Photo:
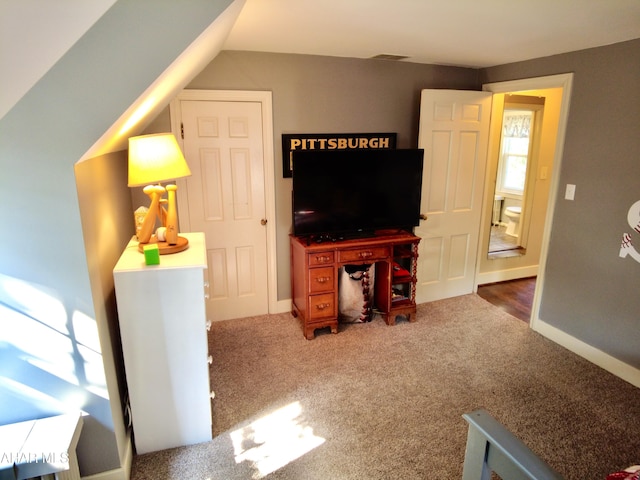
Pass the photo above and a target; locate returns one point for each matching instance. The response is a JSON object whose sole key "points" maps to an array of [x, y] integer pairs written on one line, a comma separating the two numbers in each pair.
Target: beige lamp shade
{"points": [[155, 158]]}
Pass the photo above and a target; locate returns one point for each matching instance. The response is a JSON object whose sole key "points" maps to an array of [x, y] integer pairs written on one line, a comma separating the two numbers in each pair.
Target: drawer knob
{"points": [[322, 279], [210, 359], [209, 325], [365, 254], [322, 306], [212, 394]]}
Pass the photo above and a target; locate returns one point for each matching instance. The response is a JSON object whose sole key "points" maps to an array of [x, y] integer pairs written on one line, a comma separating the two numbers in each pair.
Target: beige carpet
{"points": [[385, 402]]}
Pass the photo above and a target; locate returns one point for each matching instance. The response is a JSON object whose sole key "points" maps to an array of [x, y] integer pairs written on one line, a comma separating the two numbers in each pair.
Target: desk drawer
{"points": [[367, 255], [321, 306], [321, 279], [321, 258]]}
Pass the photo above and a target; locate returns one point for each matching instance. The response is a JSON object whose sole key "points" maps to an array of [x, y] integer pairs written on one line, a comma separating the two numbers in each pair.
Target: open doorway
{"points": [[520, 162], [513, 296], [516, 175], [531, 263]]}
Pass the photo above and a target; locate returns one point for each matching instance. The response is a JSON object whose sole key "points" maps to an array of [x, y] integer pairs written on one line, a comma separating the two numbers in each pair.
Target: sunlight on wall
{"points": [[49, 358], [33, 302], [138, 114], [274, 440], [39, 399], [38, 344]]}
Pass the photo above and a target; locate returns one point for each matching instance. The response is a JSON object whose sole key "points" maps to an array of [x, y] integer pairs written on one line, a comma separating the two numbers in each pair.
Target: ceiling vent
{"points": [[387, 56]]}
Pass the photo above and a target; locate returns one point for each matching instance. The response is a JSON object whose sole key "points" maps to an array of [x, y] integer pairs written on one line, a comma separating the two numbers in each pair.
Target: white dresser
{"points": [[164, 340]]}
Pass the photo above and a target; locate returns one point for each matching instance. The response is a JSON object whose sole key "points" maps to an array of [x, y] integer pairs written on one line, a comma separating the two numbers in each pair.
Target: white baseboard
{"points": [[122, 473], [283, 306], [508, 274], [604, 360]]}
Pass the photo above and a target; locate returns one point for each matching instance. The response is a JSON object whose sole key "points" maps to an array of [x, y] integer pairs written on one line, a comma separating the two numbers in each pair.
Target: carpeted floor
{"points": [[386, 402]]}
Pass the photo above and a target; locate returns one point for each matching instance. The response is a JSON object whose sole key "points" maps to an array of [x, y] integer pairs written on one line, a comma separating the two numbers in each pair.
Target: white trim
{"points": [[565, 82], [122, 473], [265, 98], [611, 364], [283, 306], [507, 274], [115, 474]]}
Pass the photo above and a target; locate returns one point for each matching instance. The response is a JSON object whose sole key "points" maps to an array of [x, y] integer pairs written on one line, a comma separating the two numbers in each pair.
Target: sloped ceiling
{"points": [[34, 34], [158, 95]]}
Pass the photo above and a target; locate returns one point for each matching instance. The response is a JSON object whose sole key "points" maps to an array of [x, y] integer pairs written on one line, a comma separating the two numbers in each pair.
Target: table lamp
{"points": [[154, 159]]}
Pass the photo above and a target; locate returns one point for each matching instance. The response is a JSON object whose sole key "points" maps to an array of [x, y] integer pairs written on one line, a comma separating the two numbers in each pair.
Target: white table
{"points": [[40, 447]]}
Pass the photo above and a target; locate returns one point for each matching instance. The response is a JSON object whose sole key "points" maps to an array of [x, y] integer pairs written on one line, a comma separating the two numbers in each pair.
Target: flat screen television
{"points": [[355, 193]]}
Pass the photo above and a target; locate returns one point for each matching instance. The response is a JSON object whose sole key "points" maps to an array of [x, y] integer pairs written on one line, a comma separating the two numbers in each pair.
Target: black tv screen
{"points": [[348, 193]]}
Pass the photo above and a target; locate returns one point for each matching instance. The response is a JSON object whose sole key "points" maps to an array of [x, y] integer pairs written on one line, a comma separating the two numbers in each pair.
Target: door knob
{"points": [[423, 216], [263, 222]]}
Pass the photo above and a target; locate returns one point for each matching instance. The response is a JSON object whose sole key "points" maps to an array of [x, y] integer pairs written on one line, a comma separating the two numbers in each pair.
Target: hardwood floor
{"points": [[513, 296]]}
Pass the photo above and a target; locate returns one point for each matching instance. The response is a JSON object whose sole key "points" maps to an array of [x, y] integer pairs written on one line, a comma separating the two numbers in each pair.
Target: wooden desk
{"points": [[314, 277]]}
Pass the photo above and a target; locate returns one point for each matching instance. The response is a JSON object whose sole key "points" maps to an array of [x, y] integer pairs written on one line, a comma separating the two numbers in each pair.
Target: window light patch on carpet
{"points": [[275, 440]]}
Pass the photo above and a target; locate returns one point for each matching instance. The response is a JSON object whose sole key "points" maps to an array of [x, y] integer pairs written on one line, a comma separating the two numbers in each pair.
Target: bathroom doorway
{"points": [[543, 183], [515, 173]]}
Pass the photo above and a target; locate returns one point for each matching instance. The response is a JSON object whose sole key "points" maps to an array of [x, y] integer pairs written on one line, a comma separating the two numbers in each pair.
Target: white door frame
{"points": [[265, 99], [565, 82]]}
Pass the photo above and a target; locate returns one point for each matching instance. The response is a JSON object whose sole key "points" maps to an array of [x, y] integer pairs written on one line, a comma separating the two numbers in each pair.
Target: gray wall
{"points": [[107, 225], [313, 94], [589, 291], [43, 249]]}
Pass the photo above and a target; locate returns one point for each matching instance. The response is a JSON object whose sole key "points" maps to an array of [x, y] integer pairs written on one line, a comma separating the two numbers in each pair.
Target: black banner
{"points": [[331, 141]]}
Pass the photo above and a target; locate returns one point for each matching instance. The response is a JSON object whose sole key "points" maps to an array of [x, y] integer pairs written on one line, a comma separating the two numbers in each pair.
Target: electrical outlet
{"points": [[570, 192]]}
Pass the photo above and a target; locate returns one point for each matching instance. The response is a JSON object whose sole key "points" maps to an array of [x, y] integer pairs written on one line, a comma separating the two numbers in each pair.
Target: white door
{"points": [[223, 144], [454, 130]]}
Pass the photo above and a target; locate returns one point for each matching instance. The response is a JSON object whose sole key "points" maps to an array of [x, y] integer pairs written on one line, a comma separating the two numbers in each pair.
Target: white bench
{"points": [[43, 448]]}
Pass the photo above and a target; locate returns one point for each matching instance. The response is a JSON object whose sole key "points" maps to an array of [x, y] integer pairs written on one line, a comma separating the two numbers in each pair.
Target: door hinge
{"points": [[182, 130]]}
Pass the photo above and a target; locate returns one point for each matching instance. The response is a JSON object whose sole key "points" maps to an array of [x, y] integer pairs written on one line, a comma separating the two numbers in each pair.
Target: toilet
{"points": [[513, 215]]}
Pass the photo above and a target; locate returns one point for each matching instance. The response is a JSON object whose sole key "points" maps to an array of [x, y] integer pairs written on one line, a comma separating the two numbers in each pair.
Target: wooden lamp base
{"points": [[164, 248]]}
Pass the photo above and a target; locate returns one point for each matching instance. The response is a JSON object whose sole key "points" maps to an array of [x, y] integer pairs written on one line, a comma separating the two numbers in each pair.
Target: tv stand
{"points": [[314, 276], [321, 239], [338, 237]]}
